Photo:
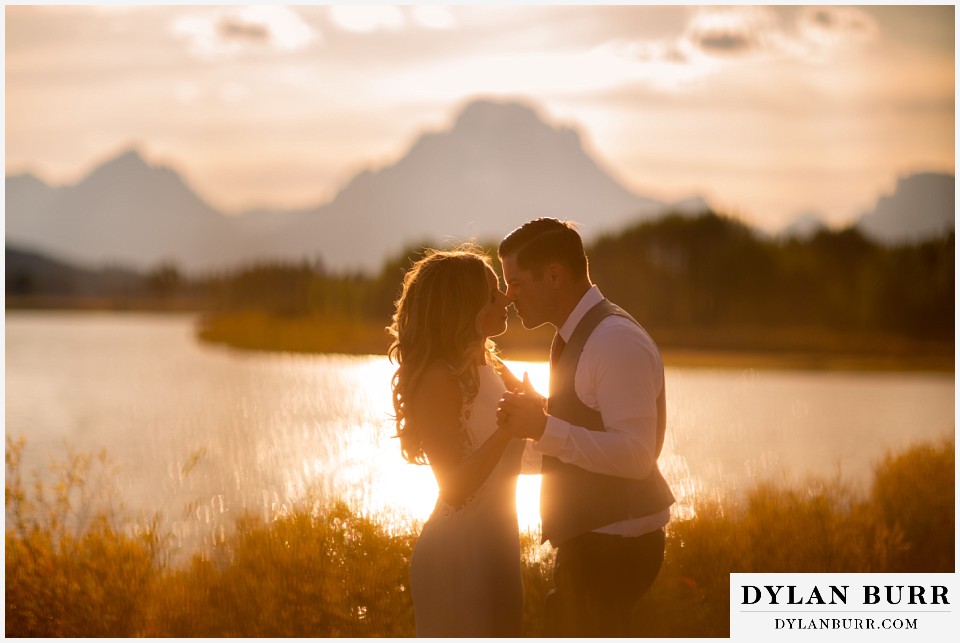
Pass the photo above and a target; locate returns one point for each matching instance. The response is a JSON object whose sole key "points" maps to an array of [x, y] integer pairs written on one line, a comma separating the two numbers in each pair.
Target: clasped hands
{"points": [[522, 412]]}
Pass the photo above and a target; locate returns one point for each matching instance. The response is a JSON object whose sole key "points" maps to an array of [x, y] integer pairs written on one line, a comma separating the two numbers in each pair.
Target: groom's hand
{"points": [[522, 415]]}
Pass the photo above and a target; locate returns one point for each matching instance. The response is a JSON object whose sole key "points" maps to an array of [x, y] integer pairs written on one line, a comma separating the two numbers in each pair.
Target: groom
{"points": [[603, 501]]}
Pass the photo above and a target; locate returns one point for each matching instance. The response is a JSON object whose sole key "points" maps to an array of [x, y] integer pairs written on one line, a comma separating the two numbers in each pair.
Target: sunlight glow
{"points": [[528, 502], [370, 475]]}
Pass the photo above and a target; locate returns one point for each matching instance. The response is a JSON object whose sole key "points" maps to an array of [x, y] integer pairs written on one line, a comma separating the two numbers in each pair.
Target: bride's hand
{"points": [[524, 388], [521, 415], [527, 390], [510, 380]]}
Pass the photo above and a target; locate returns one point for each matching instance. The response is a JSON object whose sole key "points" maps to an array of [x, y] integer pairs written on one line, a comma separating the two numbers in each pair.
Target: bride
{"points": [[465, 570]]}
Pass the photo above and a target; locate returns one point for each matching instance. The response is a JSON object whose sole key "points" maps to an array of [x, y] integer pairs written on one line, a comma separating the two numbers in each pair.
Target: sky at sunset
{"points": [[767, 112]]}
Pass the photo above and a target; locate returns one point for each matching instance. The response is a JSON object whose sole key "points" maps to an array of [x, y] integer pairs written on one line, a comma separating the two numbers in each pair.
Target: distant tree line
{"points": [[707, 280], [684, 275], [683, 278]]}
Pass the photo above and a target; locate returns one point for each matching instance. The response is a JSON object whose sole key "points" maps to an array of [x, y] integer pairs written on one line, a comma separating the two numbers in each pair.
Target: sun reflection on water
{"points": [[366, 470]]}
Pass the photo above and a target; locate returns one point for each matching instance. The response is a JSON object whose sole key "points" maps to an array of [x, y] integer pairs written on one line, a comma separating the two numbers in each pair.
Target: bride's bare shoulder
{"points": [[438, 379]]}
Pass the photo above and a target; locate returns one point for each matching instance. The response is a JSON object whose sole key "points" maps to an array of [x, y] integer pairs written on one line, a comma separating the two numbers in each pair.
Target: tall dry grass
{"points": [[71, 570], [904, 523]]}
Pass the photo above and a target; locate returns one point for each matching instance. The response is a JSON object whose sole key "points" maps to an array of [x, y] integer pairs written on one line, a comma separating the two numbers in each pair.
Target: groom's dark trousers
{"points": [[598, 578]]}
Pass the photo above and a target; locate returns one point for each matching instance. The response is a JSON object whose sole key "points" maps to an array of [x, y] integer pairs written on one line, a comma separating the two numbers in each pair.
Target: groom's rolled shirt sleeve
{"points": [[554, 439]]}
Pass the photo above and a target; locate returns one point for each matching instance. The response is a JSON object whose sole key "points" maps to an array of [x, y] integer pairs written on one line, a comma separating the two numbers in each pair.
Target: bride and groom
{"points": [[603, 502]]}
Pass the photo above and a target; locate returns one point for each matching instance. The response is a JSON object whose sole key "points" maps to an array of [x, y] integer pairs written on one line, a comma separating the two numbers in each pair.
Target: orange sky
{"points": [[768, 112]]}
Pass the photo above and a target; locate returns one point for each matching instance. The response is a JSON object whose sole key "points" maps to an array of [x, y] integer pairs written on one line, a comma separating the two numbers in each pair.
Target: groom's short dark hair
{"points": [[541, 241]]}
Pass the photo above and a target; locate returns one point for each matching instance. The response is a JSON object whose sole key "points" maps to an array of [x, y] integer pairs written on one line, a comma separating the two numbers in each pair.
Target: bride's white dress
{"points": [[465, 571]]}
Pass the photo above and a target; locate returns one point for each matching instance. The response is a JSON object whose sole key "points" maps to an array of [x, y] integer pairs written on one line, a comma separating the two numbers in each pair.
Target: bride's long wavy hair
{"points": [[437, 320]]}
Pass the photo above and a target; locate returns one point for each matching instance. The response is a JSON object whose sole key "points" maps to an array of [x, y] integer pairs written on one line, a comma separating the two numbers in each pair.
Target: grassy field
{"points": [[73, 569]]}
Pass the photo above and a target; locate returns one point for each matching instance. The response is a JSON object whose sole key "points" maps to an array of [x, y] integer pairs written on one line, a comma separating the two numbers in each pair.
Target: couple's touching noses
{"points": [[597, 433]]}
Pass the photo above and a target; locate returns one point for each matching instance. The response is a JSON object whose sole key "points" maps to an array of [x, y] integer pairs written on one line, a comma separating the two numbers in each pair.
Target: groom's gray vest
{"points": [[574, 500]]}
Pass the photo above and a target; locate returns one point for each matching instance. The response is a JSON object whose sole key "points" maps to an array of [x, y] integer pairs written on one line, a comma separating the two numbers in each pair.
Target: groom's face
{"points": [[528, 291]]}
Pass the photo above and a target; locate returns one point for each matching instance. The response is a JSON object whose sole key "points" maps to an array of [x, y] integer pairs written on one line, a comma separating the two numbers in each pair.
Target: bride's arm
{"points": [[437, 401]]}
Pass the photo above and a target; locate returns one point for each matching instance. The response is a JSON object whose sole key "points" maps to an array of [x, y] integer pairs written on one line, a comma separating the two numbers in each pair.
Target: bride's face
{"points": [[492, 320]]}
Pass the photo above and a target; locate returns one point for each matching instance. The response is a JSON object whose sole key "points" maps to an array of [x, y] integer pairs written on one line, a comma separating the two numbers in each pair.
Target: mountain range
{"points": [[921, 206], [498, 165]]}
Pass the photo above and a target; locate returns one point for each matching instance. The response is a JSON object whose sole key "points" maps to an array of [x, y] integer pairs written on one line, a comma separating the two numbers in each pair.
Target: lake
{"points": [[204, 433]]}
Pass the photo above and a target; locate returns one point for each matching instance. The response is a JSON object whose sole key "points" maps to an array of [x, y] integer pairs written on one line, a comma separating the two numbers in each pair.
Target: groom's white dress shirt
{"points": [[620, 374]]}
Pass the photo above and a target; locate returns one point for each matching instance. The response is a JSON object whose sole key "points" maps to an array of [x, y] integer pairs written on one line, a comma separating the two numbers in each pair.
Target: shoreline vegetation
{"points": [[774, 348], [786, 349], [712, 291], [76, 568]]}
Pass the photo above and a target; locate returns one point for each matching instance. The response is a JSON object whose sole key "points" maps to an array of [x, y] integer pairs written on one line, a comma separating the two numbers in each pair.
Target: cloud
{"points": [[725, 35], [747, 41], [227, 32], [232, 29], [731, 31], [831, 27], [373, 18], [811, 33], [433, 16], [711, 38], [368, 18], [726, 43]]}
